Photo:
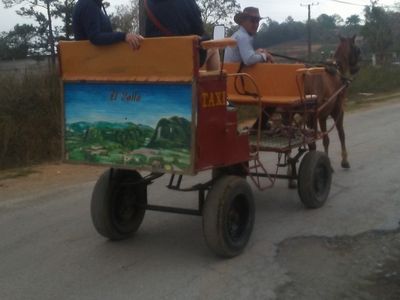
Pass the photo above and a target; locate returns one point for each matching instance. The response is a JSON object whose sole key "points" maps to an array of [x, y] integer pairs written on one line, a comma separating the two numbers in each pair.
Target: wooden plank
{"points": [[174, 61]]}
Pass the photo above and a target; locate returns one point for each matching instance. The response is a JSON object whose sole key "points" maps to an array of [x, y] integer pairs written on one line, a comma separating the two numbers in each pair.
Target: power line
{"points": [[349, 3], [364, 5]]}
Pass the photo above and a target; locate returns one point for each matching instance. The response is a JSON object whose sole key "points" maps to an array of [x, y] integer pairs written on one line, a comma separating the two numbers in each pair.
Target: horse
{"points": [[330, 87]]}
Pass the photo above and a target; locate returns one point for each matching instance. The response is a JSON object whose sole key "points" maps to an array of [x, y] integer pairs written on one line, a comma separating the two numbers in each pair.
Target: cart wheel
{"points": [[118, 205], [228, 216], [237, 169], [315, 177]]}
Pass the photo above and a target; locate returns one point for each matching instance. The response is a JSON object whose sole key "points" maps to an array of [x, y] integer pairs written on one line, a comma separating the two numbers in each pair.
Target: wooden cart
{"points": [[154, 111]]}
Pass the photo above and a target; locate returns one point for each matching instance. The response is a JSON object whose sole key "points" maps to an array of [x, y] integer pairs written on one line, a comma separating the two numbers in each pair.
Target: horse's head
{"points": [[347, 55]]}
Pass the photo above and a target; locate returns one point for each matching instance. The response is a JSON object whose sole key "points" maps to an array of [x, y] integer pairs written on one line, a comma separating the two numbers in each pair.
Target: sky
{"points": [[277, 10]]}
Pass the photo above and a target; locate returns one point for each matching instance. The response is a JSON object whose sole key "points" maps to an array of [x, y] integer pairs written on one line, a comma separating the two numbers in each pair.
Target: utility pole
{"points": [[309, 27]]}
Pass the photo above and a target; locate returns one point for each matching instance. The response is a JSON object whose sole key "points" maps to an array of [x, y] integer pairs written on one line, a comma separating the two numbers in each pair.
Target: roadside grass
{"points": [[15, 173], [377, 80], [30, 119]]}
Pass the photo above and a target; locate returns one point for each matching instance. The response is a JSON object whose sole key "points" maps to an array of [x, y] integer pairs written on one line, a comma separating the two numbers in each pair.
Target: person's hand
{"points": [[133, 40], [267, 56], [270, 58], [260, 51]]}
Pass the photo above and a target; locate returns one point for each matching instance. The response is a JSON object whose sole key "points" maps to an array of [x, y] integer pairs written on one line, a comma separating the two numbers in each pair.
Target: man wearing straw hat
{"points": [[248, 22]]}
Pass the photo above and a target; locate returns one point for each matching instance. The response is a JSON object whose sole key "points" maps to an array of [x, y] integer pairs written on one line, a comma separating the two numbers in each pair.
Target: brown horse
{"points": [[331, 90]]}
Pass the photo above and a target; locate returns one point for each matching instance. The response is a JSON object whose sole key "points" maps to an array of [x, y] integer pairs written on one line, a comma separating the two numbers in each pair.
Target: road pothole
{"points": [[365, 266]]}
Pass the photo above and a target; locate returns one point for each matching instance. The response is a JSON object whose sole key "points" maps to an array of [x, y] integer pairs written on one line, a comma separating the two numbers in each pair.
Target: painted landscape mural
{"points": [[144, 126]]}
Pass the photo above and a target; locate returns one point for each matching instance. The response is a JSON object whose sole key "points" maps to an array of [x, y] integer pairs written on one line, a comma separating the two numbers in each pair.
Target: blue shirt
{"points": [[179, 17], [89, 22], [244, 50]]}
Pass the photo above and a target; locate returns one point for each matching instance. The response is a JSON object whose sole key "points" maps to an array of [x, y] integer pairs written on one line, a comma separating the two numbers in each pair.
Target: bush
{"points": [[376, 80], [30, 119]]}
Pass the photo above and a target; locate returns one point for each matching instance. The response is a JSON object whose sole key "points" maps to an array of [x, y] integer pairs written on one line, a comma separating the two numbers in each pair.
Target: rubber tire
{"points": [[237, 169], [315, 178], [108, 193], [228, 190]]}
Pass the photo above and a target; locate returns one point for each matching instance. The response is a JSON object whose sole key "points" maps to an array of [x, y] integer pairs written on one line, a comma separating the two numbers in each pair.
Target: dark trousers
{"points": [[265, 116]]}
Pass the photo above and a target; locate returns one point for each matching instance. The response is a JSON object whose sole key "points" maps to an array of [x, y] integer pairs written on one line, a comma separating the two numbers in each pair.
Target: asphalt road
{"points": [[50, 250]]}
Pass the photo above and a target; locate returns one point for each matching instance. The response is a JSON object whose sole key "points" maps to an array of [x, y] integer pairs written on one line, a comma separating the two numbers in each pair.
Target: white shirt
{"points": [[244, 50]]}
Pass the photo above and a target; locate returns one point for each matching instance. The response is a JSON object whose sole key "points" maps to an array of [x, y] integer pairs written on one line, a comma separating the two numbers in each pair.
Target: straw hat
{"points": [[247, 12]]}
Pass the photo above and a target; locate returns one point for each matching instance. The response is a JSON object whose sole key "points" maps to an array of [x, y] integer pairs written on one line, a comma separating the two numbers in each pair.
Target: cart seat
{"points": [[272, 84], [274, 101]]}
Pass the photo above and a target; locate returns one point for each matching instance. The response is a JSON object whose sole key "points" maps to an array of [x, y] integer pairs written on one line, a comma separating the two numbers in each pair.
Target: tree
{"points": [[394, 21], [217, 11], [338, 20], [325, 27], [63, 10], [41, 11], [289, 20], [352, 25], [126, 17], [327, 22], [272, 32], [377, 31], [17, 42], [353, 20]]}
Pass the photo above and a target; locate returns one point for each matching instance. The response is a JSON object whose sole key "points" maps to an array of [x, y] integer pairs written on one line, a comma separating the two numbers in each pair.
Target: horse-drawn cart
{"points": [[154, 111]]}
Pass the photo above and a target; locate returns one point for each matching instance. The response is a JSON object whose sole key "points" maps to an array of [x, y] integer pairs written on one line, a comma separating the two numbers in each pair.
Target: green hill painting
{"points": [[143, 126]]}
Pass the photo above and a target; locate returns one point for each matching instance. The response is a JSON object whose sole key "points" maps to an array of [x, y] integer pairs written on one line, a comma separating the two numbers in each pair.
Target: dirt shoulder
{"points": [[23, 181], [369, 101]]}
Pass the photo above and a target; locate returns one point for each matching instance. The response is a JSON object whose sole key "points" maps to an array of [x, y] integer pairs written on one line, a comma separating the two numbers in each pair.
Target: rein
{"points": [[326, 65], [308, 63]]}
